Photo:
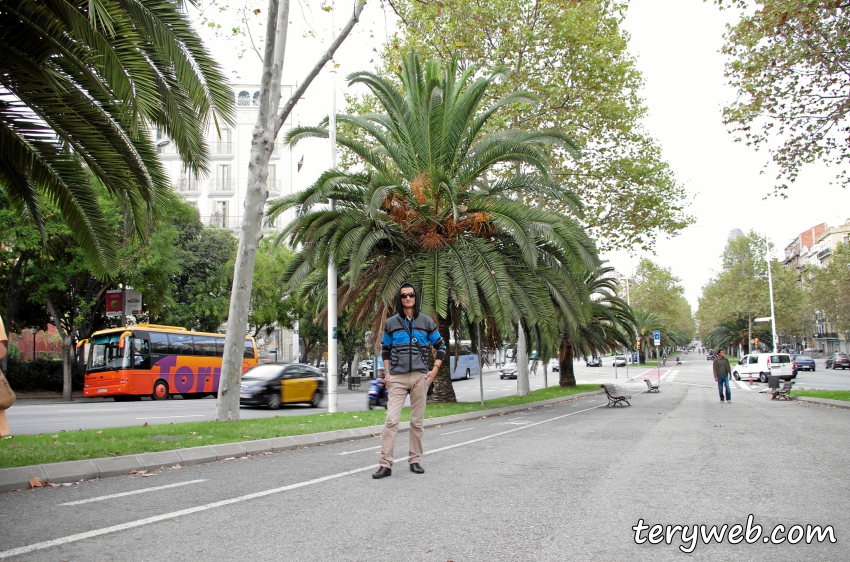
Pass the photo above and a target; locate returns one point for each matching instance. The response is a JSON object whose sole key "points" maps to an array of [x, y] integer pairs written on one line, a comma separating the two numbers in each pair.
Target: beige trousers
{"points": [[400, 386]]}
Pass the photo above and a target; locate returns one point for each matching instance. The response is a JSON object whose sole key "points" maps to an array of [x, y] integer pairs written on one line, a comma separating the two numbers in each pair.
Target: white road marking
{"points": [[745, 385], [359, 451], [134, 492], [168, 417], [206, 507], [458, 431], [94, 410]]}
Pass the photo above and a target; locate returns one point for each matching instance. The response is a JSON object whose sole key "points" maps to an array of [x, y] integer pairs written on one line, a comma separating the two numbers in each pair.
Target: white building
{"points": [[219, 197]]}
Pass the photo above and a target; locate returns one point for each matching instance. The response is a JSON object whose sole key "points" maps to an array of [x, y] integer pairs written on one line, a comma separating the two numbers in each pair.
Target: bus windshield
{"points": [[105, 353]]}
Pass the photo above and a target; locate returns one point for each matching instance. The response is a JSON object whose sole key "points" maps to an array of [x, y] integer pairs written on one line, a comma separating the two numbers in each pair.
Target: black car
{"points": [[594, 362], [838, 361], [803, 363]]}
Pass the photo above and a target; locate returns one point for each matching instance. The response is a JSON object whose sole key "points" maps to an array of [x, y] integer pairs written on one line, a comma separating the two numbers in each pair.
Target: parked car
{"points": [[803, 363], [364, 368], [274, 384], [838, 361], [619, 361], [760, 365], [508, 371], [594, 362]]}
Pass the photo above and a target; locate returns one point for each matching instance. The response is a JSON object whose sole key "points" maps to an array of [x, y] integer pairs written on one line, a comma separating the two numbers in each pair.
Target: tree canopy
{"points": [[573, 57], [789, 61]]}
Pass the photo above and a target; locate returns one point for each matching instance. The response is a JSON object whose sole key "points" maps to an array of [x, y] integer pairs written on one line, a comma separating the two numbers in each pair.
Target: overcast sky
{"points": [[676, 44]]}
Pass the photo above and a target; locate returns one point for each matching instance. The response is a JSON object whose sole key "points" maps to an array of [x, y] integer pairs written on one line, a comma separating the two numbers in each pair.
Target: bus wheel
{"points": [[467, 375], [160, 390]]}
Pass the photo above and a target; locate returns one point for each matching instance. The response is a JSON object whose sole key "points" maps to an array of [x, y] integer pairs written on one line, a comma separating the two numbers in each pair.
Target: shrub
{"points": [[42, 374]]}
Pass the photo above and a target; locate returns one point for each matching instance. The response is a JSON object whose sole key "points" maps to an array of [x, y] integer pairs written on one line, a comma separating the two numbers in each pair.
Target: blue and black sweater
{"points": [[406, 341]]}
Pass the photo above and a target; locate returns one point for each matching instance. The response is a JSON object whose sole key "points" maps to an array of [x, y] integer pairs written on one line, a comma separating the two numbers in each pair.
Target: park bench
{"points": [[614, 398], [651, 386], [783, 393]]}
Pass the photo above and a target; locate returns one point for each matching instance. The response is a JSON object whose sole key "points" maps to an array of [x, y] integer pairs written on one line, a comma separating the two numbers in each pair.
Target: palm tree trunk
{"points": [[444, 391], [567, 376]]}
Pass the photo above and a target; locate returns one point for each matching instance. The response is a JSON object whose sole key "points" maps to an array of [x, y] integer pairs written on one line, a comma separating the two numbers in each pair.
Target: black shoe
{"points": [[415, 467], [382, 472]]}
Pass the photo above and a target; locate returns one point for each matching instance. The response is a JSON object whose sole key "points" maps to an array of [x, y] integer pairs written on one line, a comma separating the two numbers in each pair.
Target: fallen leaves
{"points": [[36, 482]]}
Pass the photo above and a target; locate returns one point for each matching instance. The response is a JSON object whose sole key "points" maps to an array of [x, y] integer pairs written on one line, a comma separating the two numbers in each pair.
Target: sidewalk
{"points": [[75, 471]]}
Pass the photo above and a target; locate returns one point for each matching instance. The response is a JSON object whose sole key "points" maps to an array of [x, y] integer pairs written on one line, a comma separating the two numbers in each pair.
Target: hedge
{"points": [[41, 374]]}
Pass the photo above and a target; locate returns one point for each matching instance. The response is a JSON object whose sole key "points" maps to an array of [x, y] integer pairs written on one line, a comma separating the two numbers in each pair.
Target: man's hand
{"points": [[387, 380], [432, 374]]}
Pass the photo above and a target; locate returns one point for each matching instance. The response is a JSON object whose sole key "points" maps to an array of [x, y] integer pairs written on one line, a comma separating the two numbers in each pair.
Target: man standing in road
{"points": [[404, 349], [722, 370]]}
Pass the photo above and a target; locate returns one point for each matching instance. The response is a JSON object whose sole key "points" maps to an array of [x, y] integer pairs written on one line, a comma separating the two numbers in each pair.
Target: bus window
{"points": [[180, 344], [105, 352], [249, 350], [141, 353], [159, 343], [205, 345]]}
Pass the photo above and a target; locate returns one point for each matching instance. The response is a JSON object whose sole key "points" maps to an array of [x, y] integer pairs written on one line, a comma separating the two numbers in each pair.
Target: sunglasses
{"points": [[408, 295]]}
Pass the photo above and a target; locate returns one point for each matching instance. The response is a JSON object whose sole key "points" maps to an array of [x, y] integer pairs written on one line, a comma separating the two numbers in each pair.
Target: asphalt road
{"points": [[570, 481], [32, 416]]}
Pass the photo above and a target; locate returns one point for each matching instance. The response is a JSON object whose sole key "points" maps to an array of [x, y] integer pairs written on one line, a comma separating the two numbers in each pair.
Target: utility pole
{"points": [[333, 375]]}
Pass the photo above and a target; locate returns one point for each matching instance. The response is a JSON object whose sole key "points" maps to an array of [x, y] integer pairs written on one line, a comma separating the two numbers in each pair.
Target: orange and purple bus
{"points": [[157, 361]]}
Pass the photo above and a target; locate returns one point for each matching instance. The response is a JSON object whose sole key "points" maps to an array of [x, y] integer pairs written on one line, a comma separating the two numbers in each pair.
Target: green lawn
{"points": [[830, 394], [23, 450]]}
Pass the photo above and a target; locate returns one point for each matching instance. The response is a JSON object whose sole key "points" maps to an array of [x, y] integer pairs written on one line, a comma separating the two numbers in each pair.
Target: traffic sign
{"points": [[656, 335]]}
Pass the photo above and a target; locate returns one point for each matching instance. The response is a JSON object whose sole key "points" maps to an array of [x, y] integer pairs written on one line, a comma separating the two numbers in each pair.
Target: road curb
{"points": [[823, 401], [75, 471]]}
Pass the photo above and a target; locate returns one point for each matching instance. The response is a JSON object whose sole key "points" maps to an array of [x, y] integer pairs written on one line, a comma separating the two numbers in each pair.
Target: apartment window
{"points": [[244, 99], [223, 180], [221, 217], [271, 183]]}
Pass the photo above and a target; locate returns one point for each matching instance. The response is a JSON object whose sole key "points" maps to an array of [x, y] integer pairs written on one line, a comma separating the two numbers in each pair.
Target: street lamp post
{"points": [[33, 331]]}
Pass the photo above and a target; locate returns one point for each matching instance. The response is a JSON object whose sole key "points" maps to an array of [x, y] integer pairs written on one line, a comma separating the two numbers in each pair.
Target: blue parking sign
{"points": [[656, 335]]}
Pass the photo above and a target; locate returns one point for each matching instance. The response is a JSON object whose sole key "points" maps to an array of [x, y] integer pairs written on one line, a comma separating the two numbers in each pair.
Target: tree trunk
{"points": [[269, 122], [444, 391], [567, 375], [67, 355], [355, 365], [546, 374], [522, 386]]}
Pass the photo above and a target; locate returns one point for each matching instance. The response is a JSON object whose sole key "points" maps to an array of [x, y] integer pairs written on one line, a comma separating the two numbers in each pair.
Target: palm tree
{"points": [[734, 333], [431, 208], [80, 83], [610, 325]]}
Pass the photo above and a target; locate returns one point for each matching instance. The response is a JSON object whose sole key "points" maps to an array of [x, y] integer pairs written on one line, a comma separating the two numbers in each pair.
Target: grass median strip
{"points": [[24, 450], [829, 394]]}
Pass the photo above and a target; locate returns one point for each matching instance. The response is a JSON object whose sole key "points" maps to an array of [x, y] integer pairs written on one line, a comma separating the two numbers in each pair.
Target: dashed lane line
{"points": [[133, 493]]}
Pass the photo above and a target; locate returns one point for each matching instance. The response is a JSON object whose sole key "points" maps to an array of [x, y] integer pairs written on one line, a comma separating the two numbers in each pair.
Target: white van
{"points": [[760, 365]]}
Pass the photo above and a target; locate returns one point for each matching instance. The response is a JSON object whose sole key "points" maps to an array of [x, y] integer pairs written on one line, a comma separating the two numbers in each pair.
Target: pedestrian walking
{"points": [[404, 350], [722, 370]]}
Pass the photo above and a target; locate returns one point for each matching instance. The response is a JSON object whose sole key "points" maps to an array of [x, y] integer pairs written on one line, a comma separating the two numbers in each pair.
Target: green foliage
{"points": [[201, 289], [84, 80], [657, 290], [41, 375], [740, 291], [268, 305], [788, 62], [830, 288], [573, 58]]}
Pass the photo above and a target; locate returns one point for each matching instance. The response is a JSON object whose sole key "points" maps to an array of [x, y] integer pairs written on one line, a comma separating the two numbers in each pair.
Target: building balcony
{"points": [[223, 148], [273, 187], [824, 253], [222, 185], [222, 221]]}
